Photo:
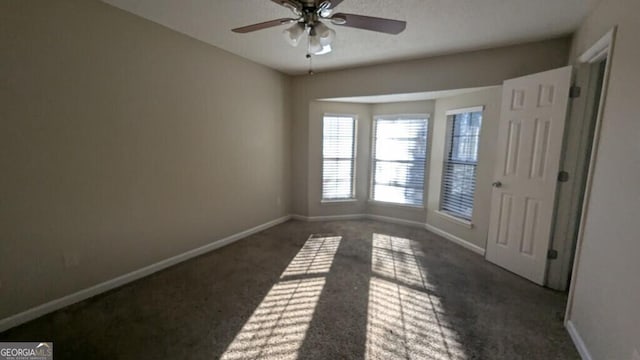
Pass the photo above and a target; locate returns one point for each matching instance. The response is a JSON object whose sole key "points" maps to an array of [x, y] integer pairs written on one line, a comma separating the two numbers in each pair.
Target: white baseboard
{"points": [[358, 217], [329, 217], [299, 217], [577, 341], [393, 220], [464, 243], [433, 229], [84, 294]]}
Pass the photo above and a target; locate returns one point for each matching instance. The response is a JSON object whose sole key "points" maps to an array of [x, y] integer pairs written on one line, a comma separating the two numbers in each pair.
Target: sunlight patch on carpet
{"points": [[405, 316], [278, 326], [315, 257]]}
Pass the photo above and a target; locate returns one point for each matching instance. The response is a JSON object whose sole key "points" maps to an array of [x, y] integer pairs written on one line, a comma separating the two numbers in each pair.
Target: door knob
{"points": [[497, 184]]}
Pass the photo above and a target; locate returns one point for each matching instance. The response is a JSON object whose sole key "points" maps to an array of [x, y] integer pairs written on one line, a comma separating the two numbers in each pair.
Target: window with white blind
{"points": [[460, 163], [338, 157], [399, 156]]}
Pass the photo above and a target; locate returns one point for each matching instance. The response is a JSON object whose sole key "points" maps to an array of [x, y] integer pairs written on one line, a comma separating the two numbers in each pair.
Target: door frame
{"points": [[599, 51]]}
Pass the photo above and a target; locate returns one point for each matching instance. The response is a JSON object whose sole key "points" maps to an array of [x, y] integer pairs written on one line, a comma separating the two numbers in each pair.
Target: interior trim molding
{"points": [[600, 49], [577, 341], [329, 217], [393, 220], [464, 243], [459, 241], [455, 220], [386, 219], [464, 110], [595, 53], [51, 306]]}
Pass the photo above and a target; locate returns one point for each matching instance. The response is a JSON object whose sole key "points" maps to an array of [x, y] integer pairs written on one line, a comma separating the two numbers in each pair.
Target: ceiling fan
{"points": [[310, 15]]}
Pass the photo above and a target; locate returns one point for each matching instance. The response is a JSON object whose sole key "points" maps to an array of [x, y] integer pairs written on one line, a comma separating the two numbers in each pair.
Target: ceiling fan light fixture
{"points": [[325, 50], [325, 33], [294, 33], [327, 40], [315, 46], [310, 19]]}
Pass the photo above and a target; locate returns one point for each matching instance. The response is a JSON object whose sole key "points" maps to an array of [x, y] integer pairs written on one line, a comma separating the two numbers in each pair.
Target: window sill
{"points": [[391, 204], [339, 201], [454, 219]]}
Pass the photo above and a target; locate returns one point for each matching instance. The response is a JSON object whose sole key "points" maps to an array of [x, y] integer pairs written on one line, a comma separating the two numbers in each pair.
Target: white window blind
{"points": [[461, 159], [399, 156], [338, 154]]}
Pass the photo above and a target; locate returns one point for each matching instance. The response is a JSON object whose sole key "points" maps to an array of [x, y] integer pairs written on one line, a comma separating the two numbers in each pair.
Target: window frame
{"points": [[450, 118], [354, 157], [424, 116]]}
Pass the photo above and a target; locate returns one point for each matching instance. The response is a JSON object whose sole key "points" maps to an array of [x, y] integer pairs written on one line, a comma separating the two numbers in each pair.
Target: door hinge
{"points": [[563, 176], [552, 254], [574, 92]]}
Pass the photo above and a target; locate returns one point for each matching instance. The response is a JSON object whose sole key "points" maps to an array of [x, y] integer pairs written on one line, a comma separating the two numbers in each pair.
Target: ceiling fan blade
{"points": [[369, 23], [263, 25], [290, 4]]}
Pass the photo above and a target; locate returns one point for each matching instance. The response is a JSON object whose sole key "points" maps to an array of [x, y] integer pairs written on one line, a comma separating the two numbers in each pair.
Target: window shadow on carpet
{"points": [[278, 326], [406, 318], [354, 290]]}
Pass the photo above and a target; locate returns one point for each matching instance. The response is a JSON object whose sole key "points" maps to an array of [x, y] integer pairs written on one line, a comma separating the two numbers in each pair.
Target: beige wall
{"points": [[490, 99], [125, 143], [607, 289], [473, 69]]}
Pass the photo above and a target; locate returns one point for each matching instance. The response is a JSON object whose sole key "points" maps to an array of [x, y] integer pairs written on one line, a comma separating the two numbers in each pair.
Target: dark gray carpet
{"points": [[330, 290]]}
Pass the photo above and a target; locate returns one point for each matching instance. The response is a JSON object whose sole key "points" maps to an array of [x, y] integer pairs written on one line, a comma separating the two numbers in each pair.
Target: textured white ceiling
{"points": [[434, 27]]}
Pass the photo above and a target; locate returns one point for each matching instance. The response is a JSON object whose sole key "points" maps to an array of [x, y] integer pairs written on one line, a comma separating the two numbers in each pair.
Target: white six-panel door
{"points": [[531, 129]]}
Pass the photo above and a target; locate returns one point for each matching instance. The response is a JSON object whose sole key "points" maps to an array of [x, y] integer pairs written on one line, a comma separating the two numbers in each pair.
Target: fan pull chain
{"points": [[310, 72]]}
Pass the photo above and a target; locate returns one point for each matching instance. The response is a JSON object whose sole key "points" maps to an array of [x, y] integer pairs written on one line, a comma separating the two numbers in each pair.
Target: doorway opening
{"points": [[576, 162], [592, 76]]}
